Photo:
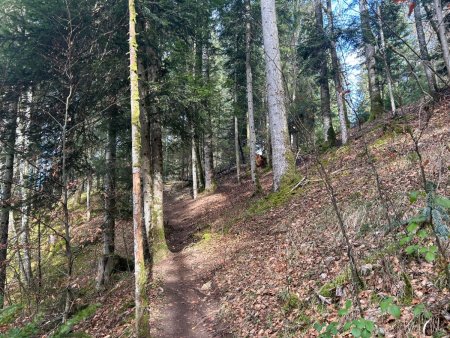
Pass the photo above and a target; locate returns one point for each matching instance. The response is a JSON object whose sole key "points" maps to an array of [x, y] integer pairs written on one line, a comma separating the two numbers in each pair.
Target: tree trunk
{"points": [[267, 133], [25, 186], [201, 172], [282, 159], [88, 197], [236, 149], [106, 262], [442, 34], [250, 109], [385, 61], [140, 270], [207, 144], [159, 245], [146, 170], [343, 120], [65, 206], [329, 134], [194, 164], [429, 71], [376, 103], [5, 201], [430, 17], [236, 129]]}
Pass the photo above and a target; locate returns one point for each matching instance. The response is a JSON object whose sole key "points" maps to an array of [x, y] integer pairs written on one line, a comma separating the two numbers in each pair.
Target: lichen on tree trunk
{"points": [[142, 325], [5, 198], [376, 103]]}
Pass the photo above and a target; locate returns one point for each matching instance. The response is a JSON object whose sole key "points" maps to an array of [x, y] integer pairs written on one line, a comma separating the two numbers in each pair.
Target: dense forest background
{"points": [[118, 119]]}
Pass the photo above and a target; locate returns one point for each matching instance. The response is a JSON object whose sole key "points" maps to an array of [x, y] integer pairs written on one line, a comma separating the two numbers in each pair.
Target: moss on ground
{"points": [[274, 199], [10, 313], [65, 330], [327, 289]]}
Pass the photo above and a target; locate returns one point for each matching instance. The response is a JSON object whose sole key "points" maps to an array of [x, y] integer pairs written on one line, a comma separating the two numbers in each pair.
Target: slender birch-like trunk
{"points": [[207, 143], [159, 245], [424, 55], [339, 89], [282, 158], [88, 197], [236, 149], [106, 262], [65, 201], [328, 130], [5, 191], [383, 55], [146, 169], [376, 103], [141, 272], [23, 131], [250, 109], [194, 164], [442, 34], [236, 127]]}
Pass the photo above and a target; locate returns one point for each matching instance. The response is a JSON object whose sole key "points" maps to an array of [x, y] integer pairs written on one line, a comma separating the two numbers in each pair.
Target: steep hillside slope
{"points": [[284, 265], [276, 265]]}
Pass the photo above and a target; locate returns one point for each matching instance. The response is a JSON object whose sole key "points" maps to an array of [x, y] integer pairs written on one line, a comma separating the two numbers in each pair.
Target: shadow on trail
{"points": [[185, 315], [187, 219], [178, 238]]}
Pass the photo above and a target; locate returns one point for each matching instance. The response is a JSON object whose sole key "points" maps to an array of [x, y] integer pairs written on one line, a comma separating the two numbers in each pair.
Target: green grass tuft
{"points": [[9, 313], [65, 329]]}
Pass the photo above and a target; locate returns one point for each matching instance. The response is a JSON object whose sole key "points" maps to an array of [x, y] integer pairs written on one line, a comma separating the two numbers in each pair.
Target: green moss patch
{"points": [[10, 313], [65, 329]]}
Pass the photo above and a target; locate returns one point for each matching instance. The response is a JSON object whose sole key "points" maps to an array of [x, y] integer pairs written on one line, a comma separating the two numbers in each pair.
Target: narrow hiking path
{"points": [[189, 304]]}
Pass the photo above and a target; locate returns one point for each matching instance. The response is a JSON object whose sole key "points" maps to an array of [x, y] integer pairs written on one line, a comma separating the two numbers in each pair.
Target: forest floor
{"points": [[275, 264]]}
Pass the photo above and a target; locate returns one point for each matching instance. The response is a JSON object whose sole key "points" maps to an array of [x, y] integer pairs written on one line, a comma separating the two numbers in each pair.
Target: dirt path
{"points": [[191, 301], [188, 305]]}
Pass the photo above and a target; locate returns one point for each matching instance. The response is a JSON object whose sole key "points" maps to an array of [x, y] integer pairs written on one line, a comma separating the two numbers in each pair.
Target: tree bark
{"points": [[268, 141], [424, 55], [376, 103], [65, 206], [201, 172], [146, 170], [237, 146], [158, 243], [88, 196], [329, 134], [343, 120], [442, 34], [385, 61], [140, 270], [282, 158], [207, 144], [250, 108], [106, 262], [25, 185], [6, 188], [194, 164]]}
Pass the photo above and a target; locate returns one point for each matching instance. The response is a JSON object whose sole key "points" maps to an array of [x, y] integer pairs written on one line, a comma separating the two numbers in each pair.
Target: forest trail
{"points": [[190, 303], [188, 307]]}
